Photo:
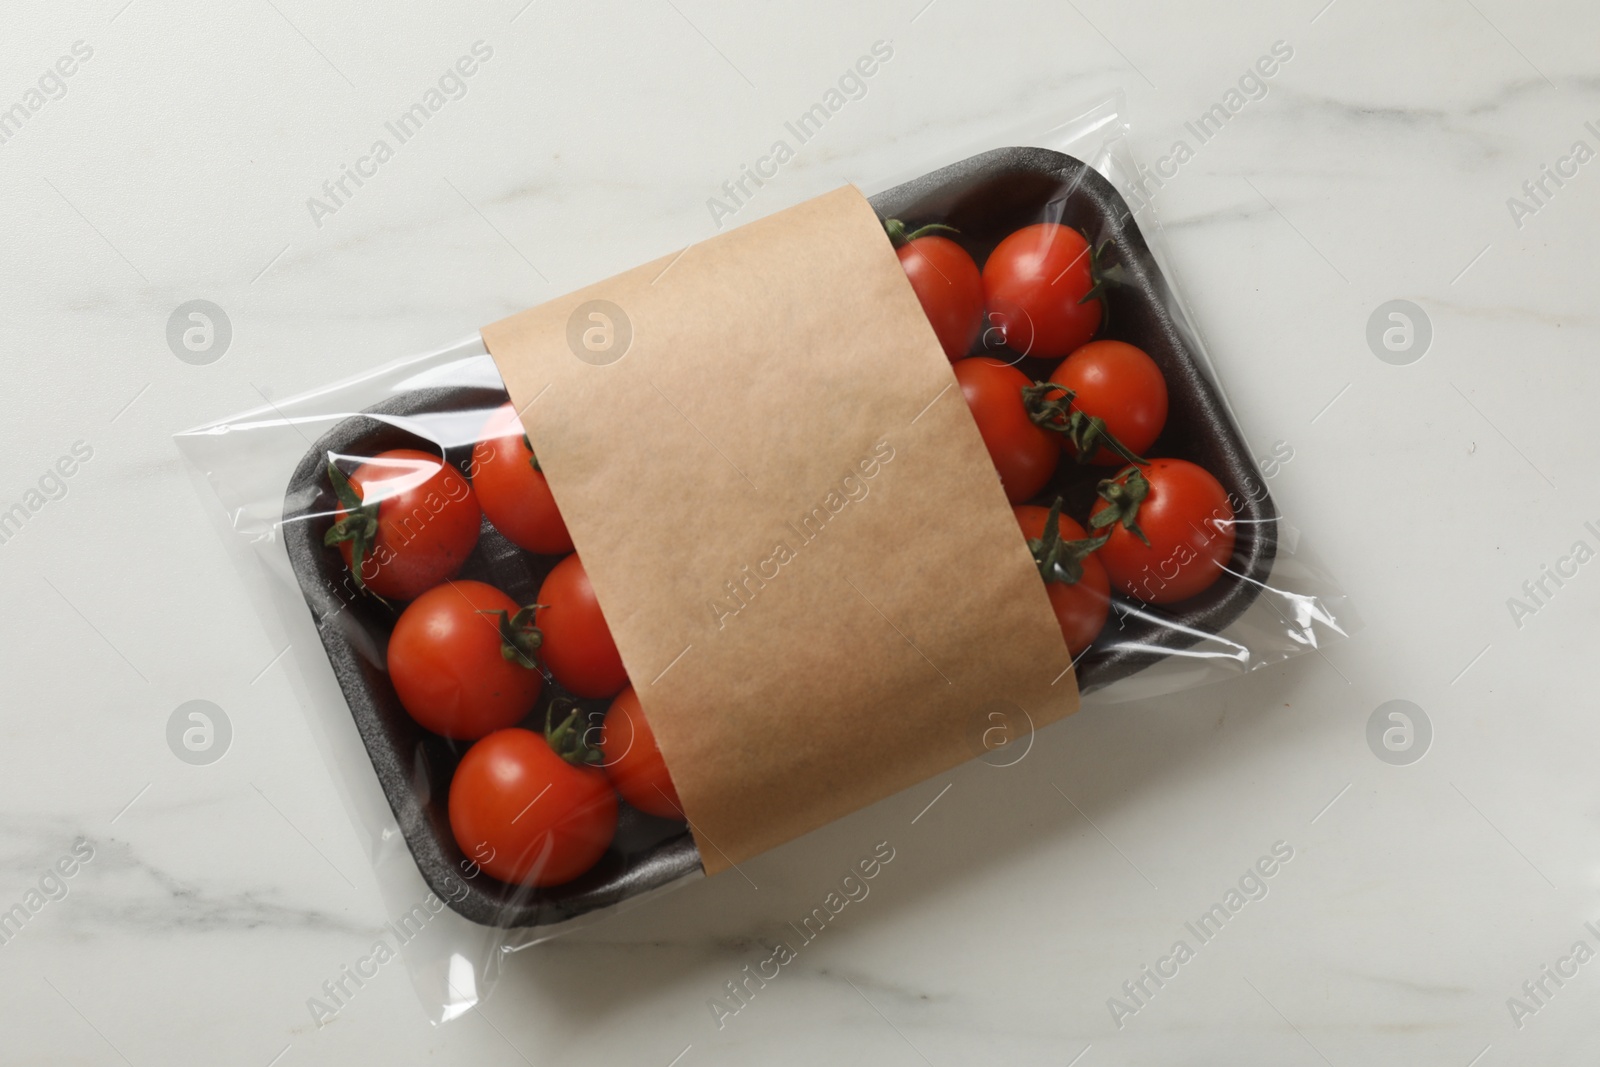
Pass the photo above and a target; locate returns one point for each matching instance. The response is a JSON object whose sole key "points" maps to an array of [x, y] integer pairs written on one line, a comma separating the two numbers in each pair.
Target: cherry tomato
{"points": [[632, 760], [462, 660], [527, 816], [512, 489], [946, 281], [1121, 387], [1024, 454], [406, 521], [577, 644], [1040, 287], [1183, 514], [1076, 580]]}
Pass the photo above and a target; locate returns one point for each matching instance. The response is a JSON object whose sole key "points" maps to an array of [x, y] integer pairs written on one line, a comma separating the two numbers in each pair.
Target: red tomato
{"points": [[633, 762], [1040, 286], [1119, 390], [577, 645], [1187, 526], [462, 660], [527, 816], [946, 281], [1024, 454], [1076, 581], [406, 521], [512, 489]]}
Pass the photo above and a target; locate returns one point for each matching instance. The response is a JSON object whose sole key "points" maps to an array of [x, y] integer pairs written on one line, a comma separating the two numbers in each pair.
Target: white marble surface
{"points": [[1378, 166]]}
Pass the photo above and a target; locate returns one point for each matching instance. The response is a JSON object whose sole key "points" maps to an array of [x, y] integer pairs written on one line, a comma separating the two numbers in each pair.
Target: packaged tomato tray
{"points": [[555, 734]]}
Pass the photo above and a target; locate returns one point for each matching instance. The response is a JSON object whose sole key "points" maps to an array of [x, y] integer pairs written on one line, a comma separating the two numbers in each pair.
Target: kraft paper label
{"points": [[793, 528]]}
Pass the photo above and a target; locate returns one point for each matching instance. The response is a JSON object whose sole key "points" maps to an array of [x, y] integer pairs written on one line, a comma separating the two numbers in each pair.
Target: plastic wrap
{"points": [[270, 468]]}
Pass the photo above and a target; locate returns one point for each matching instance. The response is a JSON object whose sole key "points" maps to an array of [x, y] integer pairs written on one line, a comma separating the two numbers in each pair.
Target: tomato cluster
{"points": [[1159, 530], [531, 803], [535, 799]]}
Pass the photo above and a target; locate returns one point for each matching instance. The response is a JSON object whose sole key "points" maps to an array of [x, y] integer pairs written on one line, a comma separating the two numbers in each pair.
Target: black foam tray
{"points": [[985, 197]]}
